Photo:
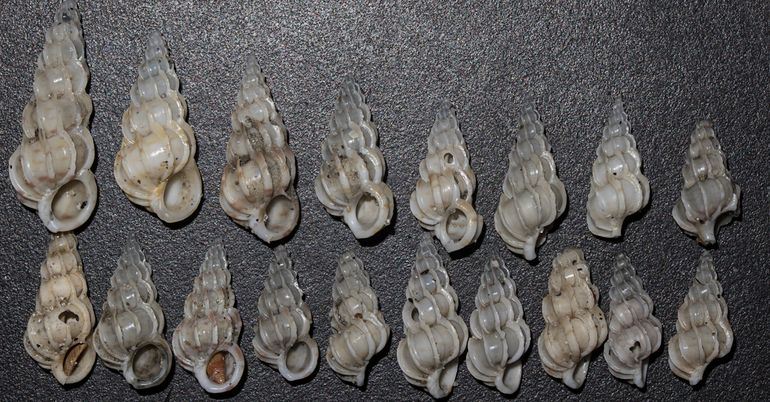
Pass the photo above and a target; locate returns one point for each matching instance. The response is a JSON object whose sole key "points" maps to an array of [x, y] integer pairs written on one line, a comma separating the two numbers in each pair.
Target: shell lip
{"points": [[159, 374], [173, 213], [381, 195], [306, 367], [83, 366], [47, 210], [270, 232], [471, 229], [233, 376]]}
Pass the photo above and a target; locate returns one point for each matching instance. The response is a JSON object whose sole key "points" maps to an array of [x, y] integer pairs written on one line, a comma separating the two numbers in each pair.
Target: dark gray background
{"points": [[673, 65]]}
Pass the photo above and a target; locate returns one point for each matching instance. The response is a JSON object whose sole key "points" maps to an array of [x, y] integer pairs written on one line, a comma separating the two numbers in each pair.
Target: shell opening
{"points": [[149, 363], [367, 210], [177, 192], [280, 213], [70, 201], [456, 225], [73, 357], [220, 367], [299, 357]]}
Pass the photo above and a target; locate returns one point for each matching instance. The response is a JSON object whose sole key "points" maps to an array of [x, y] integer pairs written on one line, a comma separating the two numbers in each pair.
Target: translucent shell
{"points": [[500, 334], [434, 334], [129, 336], [350, 181], [709, 198], [155, 166], [257, 189], [533, 196], [59, 331], [443, 198], [703, 332], [50, 170], [282, 333]]}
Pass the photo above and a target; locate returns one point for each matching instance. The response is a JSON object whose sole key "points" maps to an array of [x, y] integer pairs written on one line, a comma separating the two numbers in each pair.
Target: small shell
{"points": [[155, 166], [574, 323], [282, 333], [350, 181], [50, 170], [59, 332], [434, 334], [257, 189], [709, 198], [359, 331], [129, 336], [634, 333], [206, 341], [703, 332], [618, 187], [500, 334], [443, 198]]}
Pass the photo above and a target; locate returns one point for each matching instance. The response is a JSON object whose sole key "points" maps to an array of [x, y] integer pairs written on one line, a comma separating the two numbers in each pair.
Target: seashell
{"points": [[50, 170], [350, 181], [618, 187], [58, 333], [500, 334], [703, 332], [282, 333], [574, 323], [443, 198], [206, 341], [155, 166], [358, 330], [257, 189], [709, 198], [129, 336], [533, 196], [634, 333], [434, 334]]}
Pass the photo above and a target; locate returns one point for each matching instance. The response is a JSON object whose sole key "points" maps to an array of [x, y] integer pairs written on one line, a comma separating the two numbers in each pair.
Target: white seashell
{"points": [[434, 334], [533, 196], [574, 323], [709, 198], [50, 170], [359, 331], [129, 336], [155, 166], [257, 189], [634, 333], [442, 200], [500, 334], [618, 187], [58, 333], [703, 332], [350, 181], [206, 341], [282, 333]]}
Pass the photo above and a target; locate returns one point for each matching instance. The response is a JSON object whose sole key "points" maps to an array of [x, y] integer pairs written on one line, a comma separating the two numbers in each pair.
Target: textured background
{"points": [[673, 64]]}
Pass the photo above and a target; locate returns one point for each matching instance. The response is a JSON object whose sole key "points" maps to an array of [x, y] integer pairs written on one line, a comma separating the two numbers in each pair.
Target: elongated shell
{"points": [[50, 170], [59, 331], [206, 341], [500, 334], [350, 181], [709, 198], [359, 331], [155, 166], [703, 332], [533, 196], [574, 323], [634, 333], [618, 187], [442, 200], [282, 333], [129, 336], [434, 334], [257, 189]]}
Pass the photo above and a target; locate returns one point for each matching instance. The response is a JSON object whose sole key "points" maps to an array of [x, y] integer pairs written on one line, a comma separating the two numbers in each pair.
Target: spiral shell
{"points": [[155, 166], [282, 333], [206, 341], [533, 196], [257, 189], [350, 181], [129, 336], [434, 334], [703, 332], [574, 323], [59, 331], [50, 170], [709, 198], [500, 334]]}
